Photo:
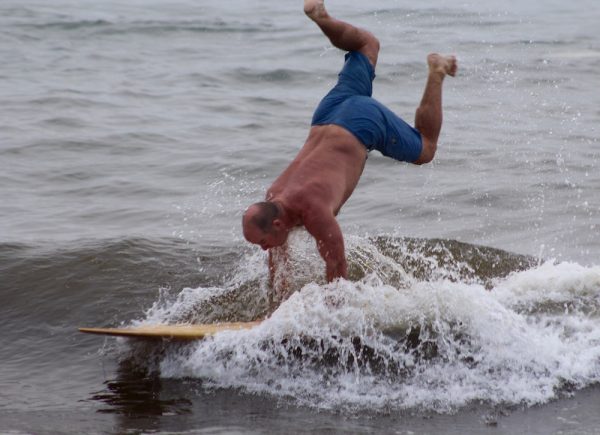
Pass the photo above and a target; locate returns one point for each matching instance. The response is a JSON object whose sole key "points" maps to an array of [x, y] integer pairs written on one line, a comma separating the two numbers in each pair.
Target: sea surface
{"points": [[134, 134]]}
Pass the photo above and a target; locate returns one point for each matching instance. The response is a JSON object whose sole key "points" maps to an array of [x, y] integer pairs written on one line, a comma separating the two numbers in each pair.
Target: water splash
{"points": [[423, 325]]}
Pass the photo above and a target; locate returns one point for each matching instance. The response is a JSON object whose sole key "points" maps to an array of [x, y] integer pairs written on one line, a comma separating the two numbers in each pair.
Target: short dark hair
{"points": [[267, 212]]}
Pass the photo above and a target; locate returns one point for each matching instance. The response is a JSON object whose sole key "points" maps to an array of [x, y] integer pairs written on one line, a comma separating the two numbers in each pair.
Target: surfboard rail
{"points": [[173, 332]]}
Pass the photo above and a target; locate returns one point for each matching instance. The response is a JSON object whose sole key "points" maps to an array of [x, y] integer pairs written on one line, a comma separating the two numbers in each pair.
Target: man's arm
{"points": [[322, 225], [278, 260], [279, 278], [271, 269]]}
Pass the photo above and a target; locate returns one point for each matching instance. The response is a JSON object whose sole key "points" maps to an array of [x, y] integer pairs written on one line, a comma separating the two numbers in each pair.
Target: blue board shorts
{"points": [[350, 105]]}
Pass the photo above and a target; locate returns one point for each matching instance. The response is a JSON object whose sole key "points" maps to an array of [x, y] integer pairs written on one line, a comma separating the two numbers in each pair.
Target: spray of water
{"points": [[427, 325]]}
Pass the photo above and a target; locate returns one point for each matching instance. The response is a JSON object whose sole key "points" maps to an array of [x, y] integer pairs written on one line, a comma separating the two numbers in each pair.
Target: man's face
{"points": [[266, 240]]}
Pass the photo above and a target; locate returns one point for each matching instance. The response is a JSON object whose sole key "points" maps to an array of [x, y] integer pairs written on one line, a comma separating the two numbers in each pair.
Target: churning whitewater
{"points": [[391, 340]]}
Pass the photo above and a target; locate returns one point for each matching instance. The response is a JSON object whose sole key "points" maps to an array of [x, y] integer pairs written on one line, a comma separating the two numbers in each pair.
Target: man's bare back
{"points": [[317, 183], [325, 171]]}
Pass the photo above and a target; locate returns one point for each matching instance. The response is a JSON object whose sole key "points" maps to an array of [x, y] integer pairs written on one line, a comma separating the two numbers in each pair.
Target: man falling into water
{"points": [[346, 125]]}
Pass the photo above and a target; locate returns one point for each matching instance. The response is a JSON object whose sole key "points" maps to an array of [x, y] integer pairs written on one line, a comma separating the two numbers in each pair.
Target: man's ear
{"points": [[277, 224]]}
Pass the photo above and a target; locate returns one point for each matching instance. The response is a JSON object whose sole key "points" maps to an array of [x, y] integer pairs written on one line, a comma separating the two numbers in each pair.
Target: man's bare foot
{"points": [[444, 65], [315, 9]]}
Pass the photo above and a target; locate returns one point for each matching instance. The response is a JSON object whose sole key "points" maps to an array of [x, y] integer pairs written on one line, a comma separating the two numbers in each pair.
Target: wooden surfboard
{"points": [[174, 332]]}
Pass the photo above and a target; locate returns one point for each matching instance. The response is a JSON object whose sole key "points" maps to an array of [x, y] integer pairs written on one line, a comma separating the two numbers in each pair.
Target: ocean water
{"points": [[134, 134]]}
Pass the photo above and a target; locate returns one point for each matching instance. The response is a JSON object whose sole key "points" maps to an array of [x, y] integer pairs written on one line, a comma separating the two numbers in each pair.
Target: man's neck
{"points": [[284, 215]]}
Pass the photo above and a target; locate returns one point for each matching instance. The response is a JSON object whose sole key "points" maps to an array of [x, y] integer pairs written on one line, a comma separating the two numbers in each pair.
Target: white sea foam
{"points": [[435, 344]]}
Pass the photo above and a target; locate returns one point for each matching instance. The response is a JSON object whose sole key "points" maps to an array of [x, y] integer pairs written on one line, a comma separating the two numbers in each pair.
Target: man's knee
{"points": [[427, 153], [371, 48]]}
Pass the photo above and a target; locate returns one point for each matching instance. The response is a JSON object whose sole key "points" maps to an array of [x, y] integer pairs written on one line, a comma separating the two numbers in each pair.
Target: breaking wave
{"points": [[421, 325]]}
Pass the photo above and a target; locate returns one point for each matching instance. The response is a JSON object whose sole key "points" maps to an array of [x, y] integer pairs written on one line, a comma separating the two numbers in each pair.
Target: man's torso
{"points": [[323, 174]]}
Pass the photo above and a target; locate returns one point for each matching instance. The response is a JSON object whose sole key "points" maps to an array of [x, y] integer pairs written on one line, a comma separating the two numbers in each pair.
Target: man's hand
{"points": [[322, 225]]}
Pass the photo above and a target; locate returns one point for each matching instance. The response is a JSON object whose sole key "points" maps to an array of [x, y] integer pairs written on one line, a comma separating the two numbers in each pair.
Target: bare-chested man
{"points": [[346, 125]]}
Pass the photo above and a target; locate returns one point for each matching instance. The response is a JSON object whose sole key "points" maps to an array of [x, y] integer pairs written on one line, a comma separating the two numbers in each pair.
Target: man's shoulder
{"points": [[311, 196], [304, 204]]}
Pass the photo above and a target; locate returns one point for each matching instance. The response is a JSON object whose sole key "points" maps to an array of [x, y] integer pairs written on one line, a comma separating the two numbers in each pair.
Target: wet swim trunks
{"points": [[350, 105]]}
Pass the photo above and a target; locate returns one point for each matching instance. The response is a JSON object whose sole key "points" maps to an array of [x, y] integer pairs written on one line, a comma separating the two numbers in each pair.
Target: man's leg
{"points": [[428, 119], [341, 34]]}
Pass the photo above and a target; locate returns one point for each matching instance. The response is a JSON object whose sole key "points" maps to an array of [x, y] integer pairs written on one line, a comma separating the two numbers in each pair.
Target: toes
{"points": [[313, 8]]}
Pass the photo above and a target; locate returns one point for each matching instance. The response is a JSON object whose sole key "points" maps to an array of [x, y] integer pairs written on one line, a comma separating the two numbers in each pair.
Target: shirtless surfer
{"points": [[346, 125]]}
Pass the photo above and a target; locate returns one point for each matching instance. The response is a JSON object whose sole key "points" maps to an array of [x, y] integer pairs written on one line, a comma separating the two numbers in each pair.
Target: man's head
{"points": [[262, 225]]}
